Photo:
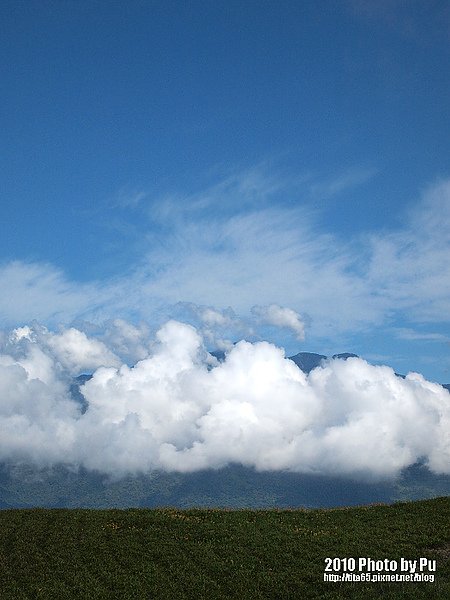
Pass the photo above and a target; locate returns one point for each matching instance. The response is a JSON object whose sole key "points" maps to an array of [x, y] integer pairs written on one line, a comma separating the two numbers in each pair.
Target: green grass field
{"points": [[196, 554]]}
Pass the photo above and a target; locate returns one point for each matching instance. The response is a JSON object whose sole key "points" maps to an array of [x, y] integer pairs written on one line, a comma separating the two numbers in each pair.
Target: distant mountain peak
{"points": [[307, 361], [345, 355]]}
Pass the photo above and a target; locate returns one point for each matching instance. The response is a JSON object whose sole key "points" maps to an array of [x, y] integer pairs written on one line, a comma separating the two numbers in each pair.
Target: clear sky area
{"points": [[267, 170]]}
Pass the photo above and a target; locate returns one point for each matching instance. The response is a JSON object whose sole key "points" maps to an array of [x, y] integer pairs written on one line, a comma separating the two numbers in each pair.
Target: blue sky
{"points": [[161, 159]]}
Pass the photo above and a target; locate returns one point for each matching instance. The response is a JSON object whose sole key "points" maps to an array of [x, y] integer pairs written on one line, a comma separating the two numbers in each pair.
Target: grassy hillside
{"points": [[167, 553]]}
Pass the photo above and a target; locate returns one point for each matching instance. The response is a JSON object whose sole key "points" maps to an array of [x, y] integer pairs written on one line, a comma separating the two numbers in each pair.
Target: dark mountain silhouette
{"points": [[235, 486], [307, 361], [75, 390], [345, 355]]}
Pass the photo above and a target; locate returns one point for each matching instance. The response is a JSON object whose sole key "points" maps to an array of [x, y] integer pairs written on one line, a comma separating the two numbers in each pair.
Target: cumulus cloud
{"points": [[70, 349], [130, 341], [77, 353], [281, 317], [218, 327], [177, 410]]}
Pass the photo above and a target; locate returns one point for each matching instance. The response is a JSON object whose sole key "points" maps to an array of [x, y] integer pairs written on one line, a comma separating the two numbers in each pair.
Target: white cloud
{"points": [[175, 410], [129, 198], [270, 255], [21, 333], [42, 292], [406, 333], [131, 342], [266, 255], [278, 255], [217, 326], [342, 182], [77, 353], [281, 317], [410, 267]]}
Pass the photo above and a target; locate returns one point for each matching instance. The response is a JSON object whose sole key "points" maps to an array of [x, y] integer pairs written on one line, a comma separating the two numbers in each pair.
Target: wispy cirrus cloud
{"points": [[273, 254], [406, 333], [409, 266], [129, 198], [337, 185], [41, 291]]}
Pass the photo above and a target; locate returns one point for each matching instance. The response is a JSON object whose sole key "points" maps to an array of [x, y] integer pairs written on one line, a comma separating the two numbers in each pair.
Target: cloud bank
{"points": [[179, 409]]}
